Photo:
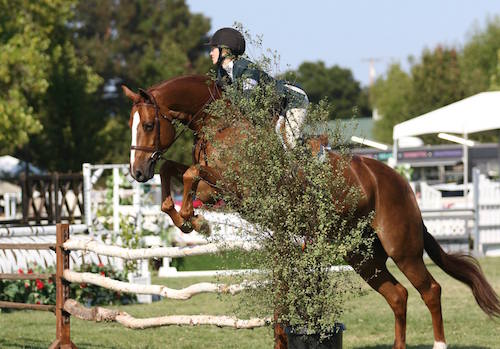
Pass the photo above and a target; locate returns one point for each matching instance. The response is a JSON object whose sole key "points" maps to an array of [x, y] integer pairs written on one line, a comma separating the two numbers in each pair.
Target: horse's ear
{"points": [[145, 94], [135, 97]]}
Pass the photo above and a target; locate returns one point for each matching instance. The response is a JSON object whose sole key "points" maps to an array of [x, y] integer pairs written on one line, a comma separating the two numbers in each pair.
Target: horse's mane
{"points": [[165, 83]]}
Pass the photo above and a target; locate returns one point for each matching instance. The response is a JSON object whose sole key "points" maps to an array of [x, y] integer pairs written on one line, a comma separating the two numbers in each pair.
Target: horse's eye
{"points": [[148, 126]]}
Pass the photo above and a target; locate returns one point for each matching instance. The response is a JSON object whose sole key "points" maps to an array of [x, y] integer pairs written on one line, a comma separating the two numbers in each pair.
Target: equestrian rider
{"points": [[227, 47]]}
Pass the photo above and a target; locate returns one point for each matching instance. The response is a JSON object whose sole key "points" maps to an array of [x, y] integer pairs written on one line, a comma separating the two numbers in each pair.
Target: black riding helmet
{"points": [[230, 38]]}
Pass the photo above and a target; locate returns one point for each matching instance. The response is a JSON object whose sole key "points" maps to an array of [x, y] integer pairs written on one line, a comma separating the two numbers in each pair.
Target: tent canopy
{"points": [[477, 113], [11, 167]]}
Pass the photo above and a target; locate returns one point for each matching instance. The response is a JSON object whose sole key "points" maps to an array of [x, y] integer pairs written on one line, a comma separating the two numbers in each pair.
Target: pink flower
{"points": [[39, 284], [20, 271], [100, 265], [26, 285], [30, 271]]}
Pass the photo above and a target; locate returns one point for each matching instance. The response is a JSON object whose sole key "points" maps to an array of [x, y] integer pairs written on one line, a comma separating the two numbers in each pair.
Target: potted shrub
{"points": [[302, 215]]}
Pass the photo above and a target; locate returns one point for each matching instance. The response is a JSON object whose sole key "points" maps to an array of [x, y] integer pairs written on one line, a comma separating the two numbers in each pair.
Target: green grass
{"points": [[369, 322], [215, 261]]}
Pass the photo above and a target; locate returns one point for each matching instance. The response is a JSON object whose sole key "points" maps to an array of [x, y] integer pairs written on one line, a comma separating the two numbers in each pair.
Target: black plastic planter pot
{"points": [[297, 339]]}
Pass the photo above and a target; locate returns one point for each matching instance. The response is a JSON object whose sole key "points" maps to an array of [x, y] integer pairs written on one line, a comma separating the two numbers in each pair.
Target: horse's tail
{"points": [[465, 268]]}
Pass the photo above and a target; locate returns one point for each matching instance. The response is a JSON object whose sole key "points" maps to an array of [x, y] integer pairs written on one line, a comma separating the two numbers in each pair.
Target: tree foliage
{"points": [[435, 80], [334, 83], [391, 96], [480, 59], [33, 43]]}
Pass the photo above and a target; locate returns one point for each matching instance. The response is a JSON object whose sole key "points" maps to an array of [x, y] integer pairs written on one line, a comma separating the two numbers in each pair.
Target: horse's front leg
{"points": [[168, 170], [191, 178]]}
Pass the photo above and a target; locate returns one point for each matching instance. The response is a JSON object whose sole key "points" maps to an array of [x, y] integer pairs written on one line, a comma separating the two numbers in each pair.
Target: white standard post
{"points": [[116, 200], [136, 201], [6, 205], [475, 181], [13, 203], [87, 189], [466, 171]]}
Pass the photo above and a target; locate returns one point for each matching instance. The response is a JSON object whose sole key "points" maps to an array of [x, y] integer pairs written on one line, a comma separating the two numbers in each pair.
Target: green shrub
{"points": [[29, 291], [302, 209]]}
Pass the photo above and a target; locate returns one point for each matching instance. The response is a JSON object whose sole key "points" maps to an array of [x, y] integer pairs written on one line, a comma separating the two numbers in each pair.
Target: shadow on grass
{"points": [[427, 346], [41, 344]]}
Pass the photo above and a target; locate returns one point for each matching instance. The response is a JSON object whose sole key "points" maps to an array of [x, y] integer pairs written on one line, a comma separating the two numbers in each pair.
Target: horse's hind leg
{"points": [[430, 291], [374, 272]]}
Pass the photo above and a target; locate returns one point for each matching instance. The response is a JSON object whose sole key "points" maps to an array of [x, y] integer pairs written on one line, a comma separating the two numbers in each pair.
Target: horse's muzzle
{"points": [[144, 173]]}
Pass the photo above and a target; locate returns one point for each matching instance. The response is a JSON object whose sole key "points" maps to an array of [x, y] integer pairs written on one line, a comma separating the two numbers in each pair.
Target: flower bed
{"points": [[44, 291]]}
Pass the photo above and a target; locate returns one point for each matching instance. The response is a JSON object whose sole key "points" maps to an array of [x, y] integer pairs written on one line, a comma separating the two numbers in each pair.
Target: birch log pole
{"points": [[100, 314], [164, 291]]}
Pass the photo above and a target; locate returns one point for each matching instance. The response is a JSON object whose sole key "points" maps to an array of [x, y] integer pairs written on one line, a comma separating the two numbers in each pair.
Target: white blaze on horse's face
{"points": [[135, 129]]}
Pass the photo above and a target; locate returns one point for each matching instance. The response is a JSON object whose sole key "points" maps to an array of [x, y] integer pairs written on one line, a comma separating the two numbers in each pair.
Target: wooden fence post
{"points": [[63, 340]]}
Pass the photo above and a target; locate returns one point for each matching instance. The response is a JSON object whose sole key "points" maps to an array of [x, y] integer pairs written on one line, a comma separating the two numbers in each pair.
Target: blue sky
{"points": [[348, 32]]}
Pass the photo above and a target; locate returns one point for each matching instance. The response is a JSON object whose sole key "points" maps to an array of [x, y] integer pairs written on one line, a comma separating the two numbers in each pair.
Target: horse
{"points": [[397, 227]]}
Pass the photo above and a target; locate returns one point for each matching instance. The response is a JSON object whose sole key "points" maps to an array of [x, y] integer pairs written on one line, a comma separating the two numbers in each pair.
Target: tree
{"points": [[25, 54], [391, 96], [45, 86], [71, 121], [336, 84], [495, 77], [435, 80], [480, 57], [138, 43]]}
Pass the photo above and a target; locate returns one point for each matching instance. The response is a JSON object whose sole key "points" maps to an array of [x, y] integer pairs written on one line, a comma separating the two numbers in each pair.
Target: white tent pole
{"points": [[395, 152], [116, 200], [466, 170]]}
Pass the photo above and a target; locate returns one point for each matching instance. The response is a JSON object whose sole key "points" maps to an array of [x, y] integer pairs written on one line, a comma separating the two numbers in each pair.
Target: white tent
{"points": [[477, 113], [11, 167]]}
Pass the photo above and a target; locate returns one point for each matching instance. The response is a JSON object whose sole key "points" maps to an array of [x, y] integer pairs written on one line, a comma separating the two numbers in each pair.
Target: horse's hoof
{"points": [[201, 225], [186, 227]]}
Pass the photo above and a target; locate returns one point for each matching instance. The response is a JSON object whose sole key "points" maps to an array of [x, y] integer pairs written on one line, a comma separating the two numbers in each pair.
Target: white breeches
{"points": [[293, 121]]}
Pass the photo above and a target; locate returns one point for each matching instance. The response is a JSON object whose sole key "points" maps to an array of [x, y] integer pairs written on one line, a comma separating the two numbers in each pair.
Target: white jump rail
{"points": [[39, 230]]}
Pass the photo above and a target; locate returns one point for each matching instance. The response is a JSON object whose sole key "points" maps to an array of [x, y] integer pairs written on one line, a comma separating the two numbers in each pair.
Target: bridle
{"points": [[157, 150]]}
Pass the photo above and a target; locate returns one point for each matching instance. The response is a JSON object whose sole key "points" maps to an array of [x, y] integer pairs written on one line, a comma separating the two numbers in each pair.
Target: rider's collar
{"points": [[227, 65]]}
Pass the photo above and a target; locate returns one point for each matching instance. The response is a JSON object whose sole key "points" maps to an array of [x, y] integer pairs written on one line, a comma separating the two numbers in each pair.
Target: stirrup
{"points": [[323, 151]]}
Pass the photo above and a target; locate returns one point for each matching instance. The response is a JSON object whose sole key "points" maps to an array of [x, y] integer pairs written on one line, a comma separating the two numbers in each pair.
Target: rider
{"points": [[227, 47]]}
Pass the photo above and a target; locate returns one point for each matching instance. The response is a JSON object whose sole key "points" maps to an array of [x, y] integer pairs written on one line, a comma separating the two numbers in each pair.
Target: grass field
{"points": [[369, 322]]}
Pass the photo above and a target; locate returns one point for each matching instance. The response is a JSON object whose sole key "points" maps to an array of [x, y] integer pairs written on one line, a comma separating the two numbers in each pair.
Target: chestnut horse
{"points": [[398, 227]]}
